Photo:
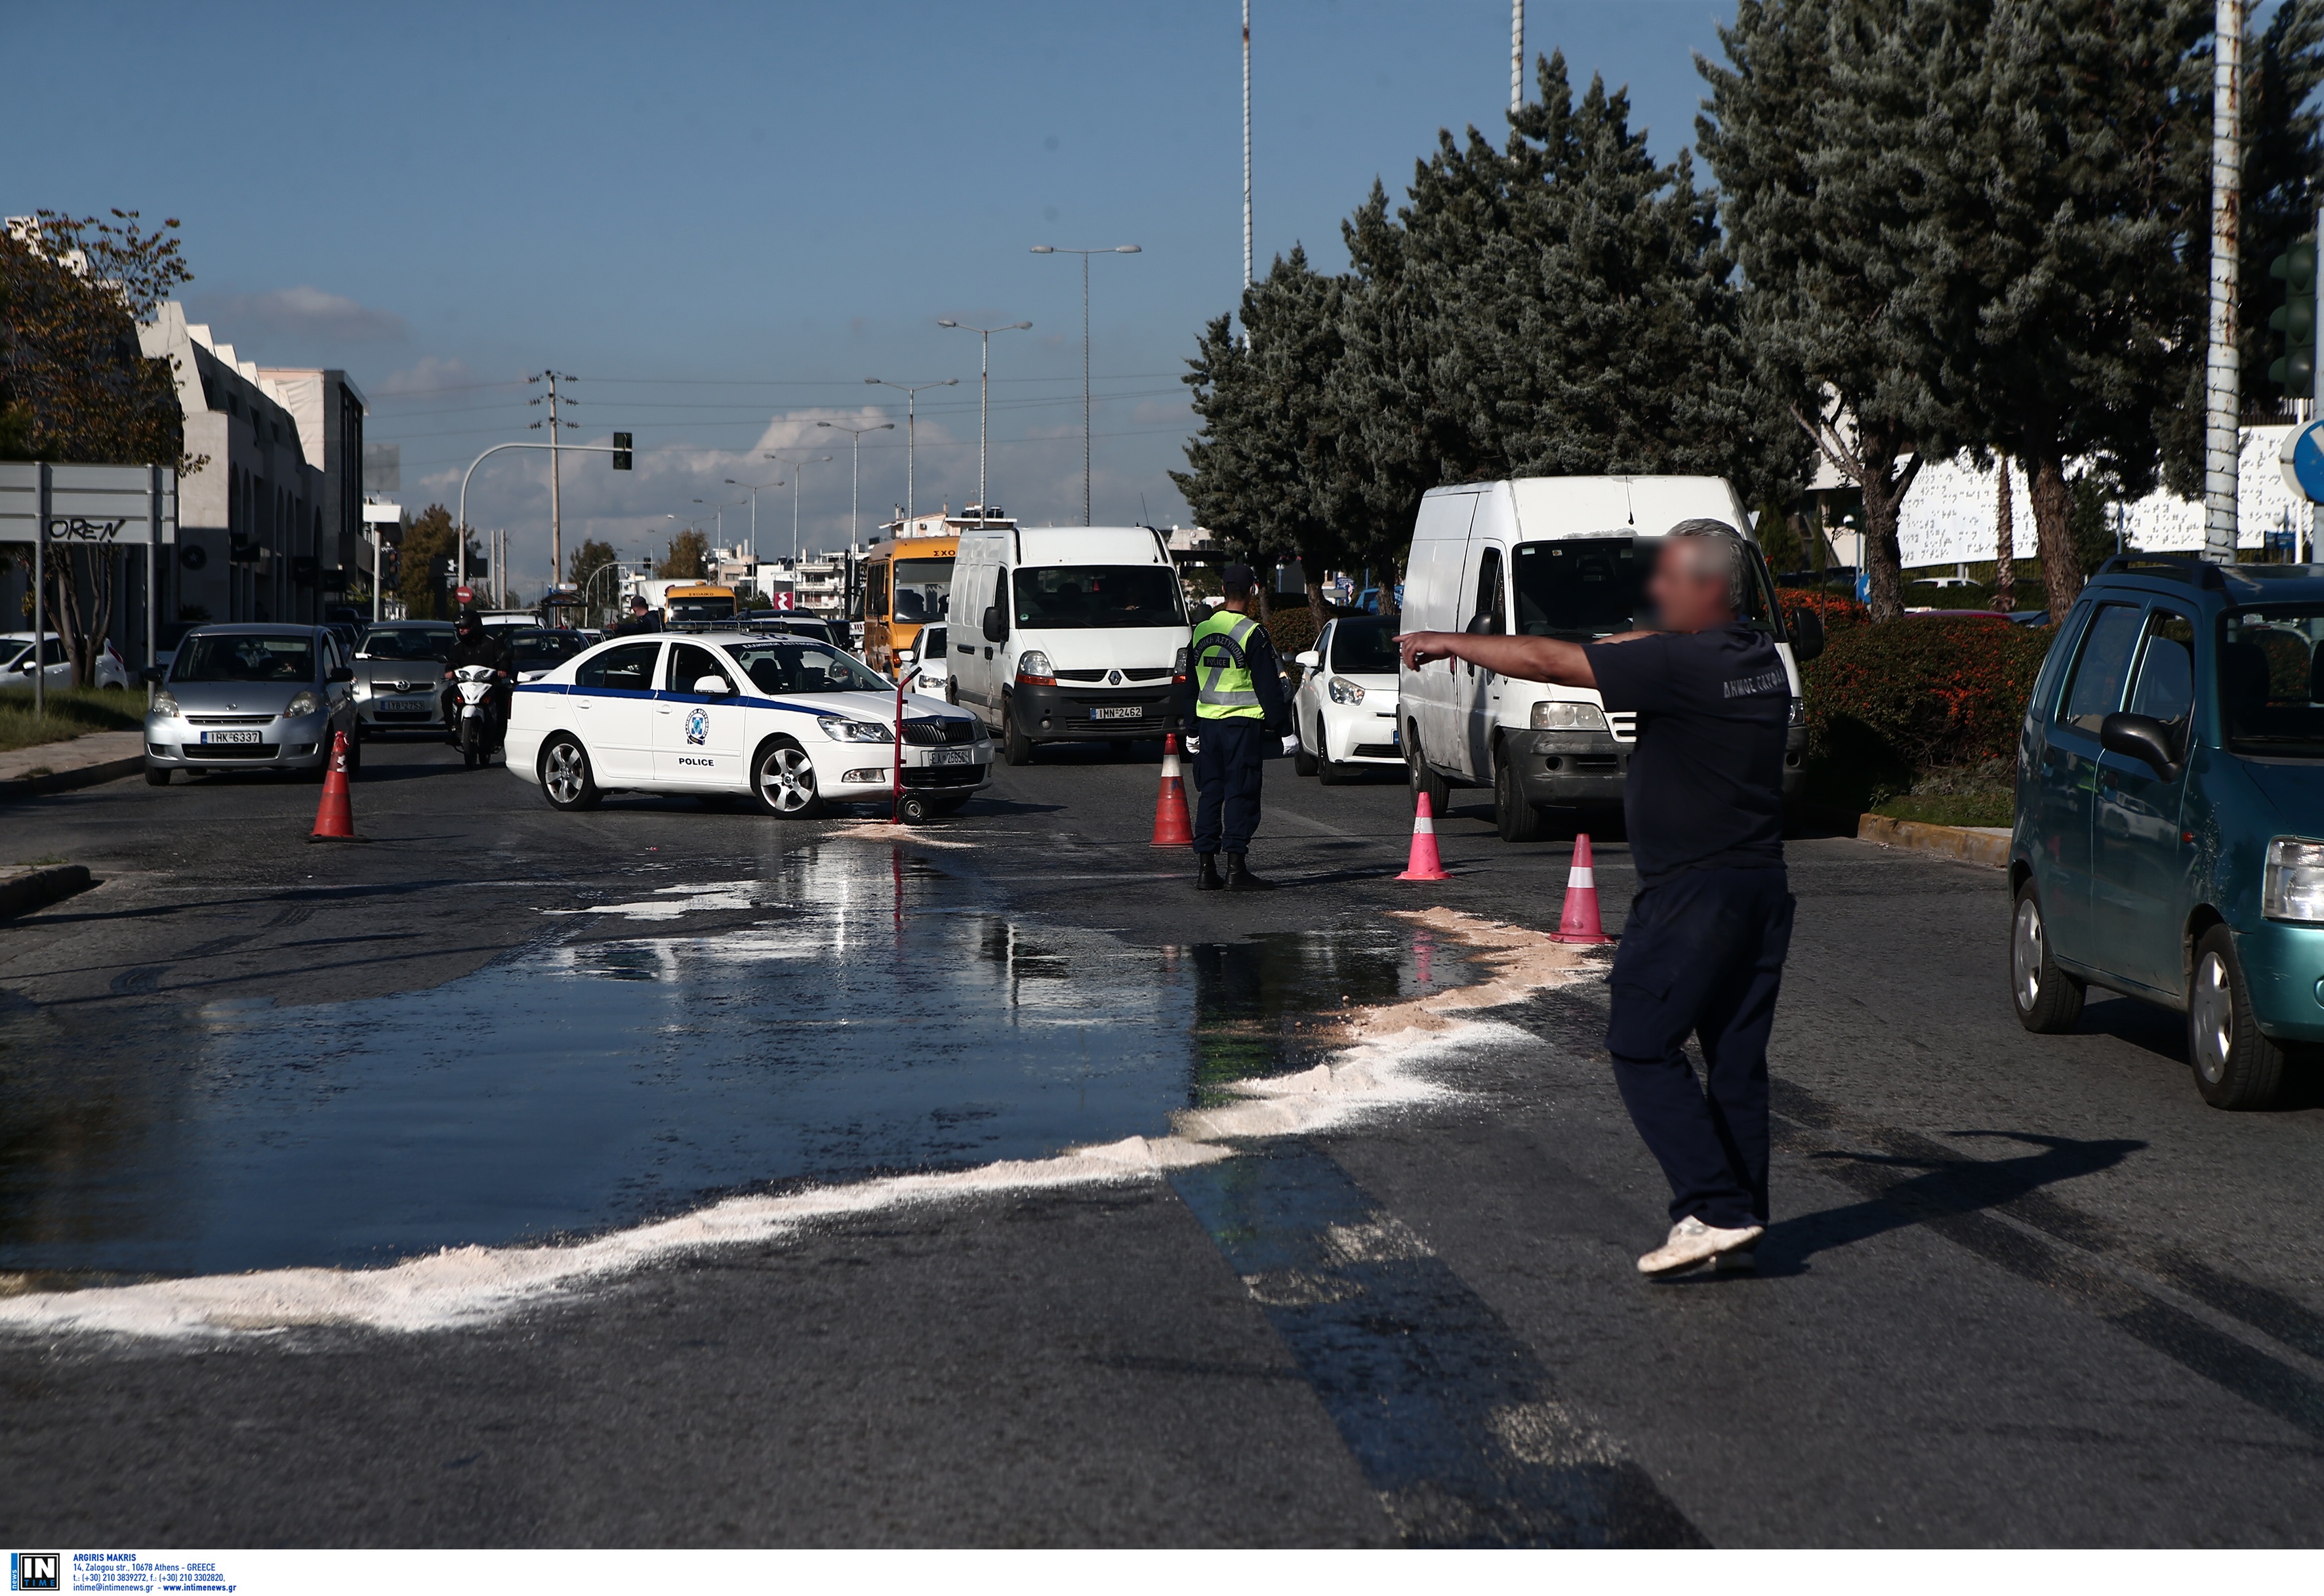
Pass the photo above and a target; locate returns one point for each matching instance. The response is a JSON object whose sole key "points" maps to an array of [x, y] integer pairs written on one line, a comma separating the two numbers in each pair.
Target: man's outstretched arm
{"points": [[1529, 659]]}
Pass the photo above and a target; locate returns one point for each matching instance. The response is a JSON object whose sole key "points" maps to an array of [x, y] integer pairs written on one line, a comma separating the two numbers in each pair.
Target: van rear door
{"points": [[1433, 596]]}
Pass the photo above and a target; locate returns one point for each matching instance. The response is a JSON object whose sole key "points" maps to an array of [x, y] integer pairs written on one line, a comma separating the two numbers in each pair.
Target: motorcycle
{"points": [[477, 729]]}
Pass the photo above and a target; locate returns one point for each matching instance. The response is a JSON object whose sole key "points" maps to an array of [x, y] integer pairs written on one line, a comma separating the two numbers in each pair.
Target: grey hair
{"points": [[1720, 552]]}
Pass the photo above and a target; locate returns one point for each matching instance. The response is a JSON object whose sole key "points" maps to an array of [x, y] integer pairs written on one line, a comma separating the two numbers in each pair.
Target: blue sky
{"points": [[724, 218]]}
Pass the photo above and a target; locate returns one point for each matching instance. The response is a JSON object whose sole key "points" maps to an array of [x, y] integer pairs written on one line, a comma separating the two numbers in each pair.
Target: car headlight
{"points": [[165, 702], [1033, 666], [840, 729], [2292, 886], [1343, 691], [1558, 714], [304, 703]]}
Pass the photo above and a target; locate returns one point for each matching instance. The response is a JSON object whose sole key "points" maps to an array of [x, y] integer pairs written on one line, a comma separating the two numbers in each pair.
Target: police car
{"points": [[792, 723]]}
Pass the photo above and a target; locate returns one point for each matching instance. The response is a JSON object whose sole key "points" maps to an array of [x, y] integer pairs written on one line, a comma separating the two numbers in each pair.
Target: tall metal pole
{"points": [[556, 499], [911, 391], [2316, 409], [40, 496], [1246, 183], [2222, 378], [1085, 391], [854, 476], [1517, 56]]}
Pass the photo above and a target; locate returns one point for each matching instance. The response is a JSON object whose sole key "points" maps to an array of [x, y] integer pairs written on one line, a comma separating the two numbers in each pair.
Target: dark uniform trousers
{"points": [[1702, 953], [1229, 768]]}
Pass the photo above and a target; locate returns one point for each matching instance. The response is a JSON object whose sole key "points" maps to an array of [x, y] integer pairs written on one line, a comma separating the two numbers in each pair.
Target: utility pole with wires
{"points": [[2222, 367], [1246, 146], [1517, 56], [556, 506]]}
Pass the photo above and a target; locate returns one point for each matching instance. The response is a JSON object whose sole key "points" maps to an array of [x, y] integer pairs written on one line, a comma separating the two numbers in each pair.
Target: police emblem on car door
{"points": [[697, 728]]}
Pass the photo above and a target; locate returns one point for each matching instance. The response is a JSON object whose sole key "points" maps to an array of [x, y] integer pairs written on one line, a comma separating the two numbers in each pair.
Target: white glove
{"points": [[1193, 744], [1291, 745]]}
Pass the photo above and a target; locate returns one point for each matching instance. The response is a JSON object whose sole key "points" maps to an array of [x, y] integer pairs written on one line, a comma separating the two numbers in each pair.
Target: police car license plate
{"points": [[948, 756], [229, 736], [1116, 712]]}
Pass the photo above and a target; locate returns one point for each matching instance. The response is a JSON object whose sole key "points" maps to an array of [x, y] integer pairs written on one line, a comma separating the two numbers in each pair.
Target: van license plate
{"points": [[949, 756], [229, 736], [1118, 712]]}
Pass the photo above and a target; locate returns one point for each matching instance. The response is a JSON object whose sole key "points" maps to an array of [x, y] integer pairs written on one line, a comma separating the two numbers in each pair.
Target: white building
{"points": [[269, 522]]}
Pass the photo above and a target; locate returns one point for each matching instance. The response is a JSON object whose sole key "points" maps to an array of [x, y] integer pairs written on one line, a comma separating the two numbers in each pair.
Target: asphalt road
{"points": [[2020, 1291]]}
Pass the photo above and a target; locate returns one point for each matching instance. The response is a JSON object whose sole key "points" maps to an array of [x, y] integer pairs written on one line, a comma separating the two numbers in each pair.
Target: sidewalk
{"points": [[1972, 844], [78, 761]]}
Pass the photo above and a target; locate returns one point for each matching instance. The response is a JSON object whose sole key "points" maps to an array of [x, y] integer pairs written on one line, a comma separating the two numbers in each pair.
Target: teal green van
{"points": [[2170, 835]]}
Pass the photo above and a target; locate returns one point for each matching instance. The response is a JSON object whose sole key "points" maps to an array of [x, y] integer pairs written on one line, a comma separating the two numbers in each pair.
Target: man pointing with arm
{"points": [[1703, 952]]}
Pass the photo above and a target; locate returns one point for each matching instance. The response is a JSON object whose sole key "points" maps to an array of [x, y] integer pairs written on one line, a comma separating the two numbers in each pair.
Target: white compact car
{"points": [[932, 655], [1345, 707], [792, 723]]}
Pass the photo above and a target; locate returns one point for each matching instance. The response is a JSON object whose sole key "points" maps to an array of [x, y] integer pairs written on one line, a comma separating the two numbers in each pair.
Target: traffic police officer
{"points": [[1703, 949], [1233, 702]]}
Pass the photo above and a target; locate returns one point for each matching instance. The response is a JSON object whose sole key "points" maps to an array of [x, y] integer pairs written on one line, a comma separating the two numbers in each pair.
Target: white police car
{"points": [[793, 722]]}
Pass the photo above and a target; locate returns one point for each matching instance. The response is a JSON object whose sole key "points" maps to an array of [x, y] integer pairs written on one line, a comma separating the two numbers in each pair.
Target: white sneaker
{"points": [[1694, 1243]]}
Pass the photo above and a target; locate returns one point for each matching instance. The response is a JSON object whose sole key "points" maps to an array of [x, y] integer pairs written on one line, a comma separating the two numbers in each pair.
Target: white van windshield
{"points": [[1093, 596], [1585, 588]]}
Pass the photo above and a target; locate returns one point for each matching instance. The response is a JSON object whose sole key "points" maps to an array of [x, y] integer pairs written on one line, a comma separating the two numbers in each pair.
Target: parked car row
{"points": [[55, 664]]}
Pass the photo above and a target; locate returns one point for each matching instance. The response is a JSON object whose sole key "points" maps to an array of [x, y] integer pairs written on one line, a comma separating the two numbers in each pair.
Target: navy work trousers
{"points": [[1230, 770], [1702, 953]]}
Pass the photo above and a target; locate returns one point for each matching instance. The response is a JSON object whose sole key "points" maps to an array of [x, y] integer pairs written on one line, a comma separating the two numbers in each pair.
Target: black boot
{"points": [[1206, 879], [1240, 879]]}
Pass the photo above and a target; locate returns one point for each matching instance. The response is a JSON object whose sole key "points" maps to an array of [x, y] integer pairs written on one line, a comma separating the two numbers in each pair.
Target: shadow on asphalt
{"points": [[1924, 1190]]}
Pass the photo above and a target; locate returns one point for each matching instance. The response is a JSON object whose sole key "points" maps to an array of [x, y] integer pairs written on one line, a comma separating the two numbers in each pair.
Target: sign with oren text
{"points": [[89, 506]]}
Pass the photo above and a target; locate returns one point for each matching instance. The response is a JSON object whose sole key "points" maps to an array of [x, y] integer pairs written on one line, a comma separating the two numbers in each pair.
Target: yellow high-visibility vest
{"points": [[1223, 689]]}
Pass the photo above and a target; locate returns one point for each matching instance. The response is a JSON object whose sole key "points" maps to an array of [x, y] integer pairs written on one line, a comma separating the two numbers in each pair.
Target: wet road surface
{"points": [[2021, 1290]]}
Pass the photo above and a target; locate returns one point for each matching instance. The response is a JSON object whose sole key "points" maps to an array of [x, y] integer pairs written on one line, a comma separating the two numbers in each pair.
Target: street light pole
{"points": [[911, 393], [754, 488], [798, 469], [854, 477], [1119, 249], [984, 392]]}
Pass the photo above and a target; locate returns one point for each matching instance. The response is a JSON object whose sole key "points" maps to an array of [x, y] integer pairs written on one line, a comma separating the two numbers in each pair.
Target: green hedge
{"points": [[1888, 703]]}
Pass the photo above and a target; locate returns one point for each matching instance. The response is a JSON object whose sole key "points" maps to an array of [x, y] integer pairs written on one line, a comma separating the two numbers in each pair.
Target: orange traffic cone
{"points": [[1579, 922], [1424, 864], [335, 816], [1173, 827]]}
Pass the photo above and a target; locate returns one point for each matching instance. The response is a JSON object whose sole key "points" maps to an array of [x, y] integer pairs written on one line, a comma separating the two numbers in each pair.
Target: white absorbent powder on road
{"points": [[1378, 1068]]}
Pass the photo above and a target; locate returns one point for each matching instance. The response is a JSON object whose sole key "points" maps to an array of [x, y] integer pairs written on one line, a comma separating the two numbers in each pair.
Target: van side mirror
{"points": [[2141, 737], [1482, 623], [1807, 636], [996, 630]]}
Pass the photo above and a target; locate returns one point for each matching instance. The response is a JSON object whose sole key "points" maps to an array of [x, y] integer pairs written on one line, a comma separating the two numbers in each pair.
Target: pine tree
{"points": [[2068, 198], [1823, 209], [1270, 432]]}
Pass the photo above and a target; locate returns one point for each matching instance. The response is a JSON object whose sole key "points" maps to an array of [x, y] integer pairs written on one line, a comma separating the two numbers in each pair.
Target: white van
{"points": [[1066, 634], [1563, 556]]}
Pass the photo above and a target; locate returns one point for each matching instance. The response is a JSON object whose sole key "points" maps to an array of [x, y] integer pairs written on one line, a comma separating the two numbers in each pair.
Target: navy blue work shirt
{"points": [[1705, 790]]}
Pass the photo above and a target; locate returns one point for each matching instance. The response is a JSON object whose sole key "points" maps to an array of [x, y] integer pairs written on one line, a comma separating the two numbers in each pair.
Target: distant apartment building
{"points": [[267, 524]]}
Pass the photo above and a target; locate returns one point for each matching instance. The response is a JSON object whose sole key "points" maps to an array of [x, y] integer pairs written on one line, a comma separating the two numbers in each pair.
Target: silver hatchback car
{"points": [[255, 697]]}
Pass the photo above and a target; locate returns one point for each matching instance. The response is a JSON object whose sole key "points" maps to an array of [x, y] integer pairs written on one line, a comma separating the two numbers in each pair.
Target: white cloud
{"points": [[433, 373], [304, 312]]}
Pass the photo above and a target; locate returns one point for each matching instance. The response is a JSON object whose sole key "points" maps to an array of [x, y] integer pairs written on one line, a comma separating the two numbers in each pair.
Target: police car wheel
{"points": [[565, 778], [783, 777]]}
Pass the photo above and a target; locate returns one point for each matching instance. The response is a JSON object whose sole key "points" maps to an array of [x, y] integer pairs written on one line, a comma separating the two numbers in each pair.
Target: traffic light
{"points": [[621, 451], [2295, 319]]}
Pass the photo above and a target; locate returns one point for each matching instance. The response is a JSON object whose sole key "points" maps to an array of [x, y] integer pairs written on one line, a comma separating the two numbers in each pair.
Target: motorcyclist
{"points": [[473, 644]]}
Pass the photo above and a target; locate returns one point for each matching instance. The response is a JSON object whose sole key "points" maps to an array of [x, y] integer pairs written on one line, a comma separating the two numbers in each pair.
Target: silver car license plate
{"points": [[1117, 712], [949, 756], [422, 703], [229, 736]]}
